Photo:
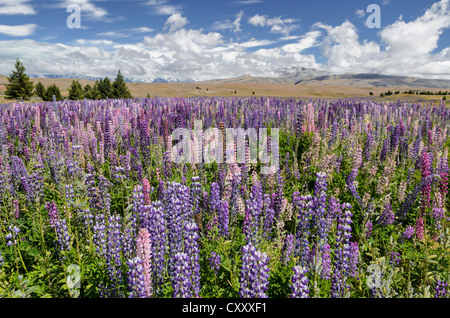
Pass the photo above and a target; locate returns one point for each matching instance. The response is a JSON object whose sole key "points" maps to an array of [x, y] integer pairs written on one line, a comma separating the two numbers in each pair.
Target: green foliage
{"points": [[76, 91], [20, 85], [51, 91], [105, 88], [90, 92], [120, 89], [39, 90]]}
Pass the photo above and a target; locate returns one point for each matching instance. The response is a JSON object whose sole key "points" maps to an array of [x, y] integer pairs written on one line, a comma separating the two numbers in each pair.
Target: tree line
{"points": [[414, 92], [21, 87]]}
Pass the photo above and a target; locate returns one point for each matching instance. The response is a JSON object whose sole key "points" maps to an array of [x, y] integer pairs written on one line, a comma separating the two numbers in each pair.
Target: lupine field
{"points": [[92, 206]]}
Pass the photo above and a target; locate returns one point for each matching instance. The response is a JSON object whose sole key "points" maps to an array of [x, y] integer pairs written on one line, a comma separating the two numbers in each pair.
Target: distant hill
{"points": [[253, 80], [377, 80], [352, 80]]}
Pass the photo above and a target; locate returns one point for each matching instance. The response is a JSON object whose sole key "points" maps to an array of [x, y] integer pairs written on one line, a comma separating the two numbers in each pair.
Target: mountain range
{"points": [[293, 76]]}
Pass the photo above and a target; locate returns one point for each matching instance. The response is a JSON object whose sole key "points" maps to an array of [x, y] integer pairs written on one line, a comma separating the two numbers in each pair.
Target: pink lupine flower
{"points": [[146, 190], [144, 252]]}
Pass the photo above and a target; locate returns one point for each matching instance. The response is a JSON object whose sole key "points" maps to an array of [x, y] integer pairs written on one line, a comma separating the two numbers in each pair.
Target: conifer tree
{"points": [[20, 85], [120, 88], [76, 91], [39, 90]]}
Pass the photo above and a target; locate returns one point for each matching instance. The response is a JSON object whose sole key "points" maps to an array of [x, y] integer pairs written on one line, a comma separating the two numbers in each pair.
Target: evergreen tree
{"points": [[96, 92], [105, 88], [39, 91], [92, 92], [120, 89], [52, 90], [76, 91], [20, 85]]}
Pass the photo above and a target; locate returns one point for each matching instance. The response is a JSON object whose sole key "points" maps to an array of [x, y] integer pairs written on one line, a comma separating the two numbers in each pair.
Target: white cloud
{"points": [[16, 7], [175, 21], [244, 2], [277, 24], [18, 30], [141, 30], [258, 20], [307, 41], [161, 7], [409, 51], [418, 37], [222, 25], [235, 26], [237, 22], [112, 34], [344, 51], [360, 13]]}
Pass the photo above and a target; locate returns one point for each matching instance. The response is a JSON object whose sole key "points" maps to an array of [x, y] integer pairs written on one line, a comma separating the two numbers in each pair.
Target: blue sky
{"points": [[202, 40]]}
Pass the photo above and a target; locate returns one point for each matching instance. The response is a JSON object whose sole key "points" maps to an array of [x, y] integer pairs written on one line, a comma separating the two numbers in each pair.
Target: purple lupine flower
{"points": [[176, 201], [254, 278], [334, 129], [443, 172], [11, 237], [288, 249], [27, 188], [438, 214], [196, 193], [144, 252], [368, 229], [136, 278], [114, 246], [339, 286], [353, 259], [367, 147], [279, 194], [223, 216], [59, 224], [408, 233], [214, 262], [253, 211], [156, 226], [387, 216], [137, 219], [326, 261], [182, 272], [319, 219], [384, 149], [99, 235], [269, 216], [70, 195], [16, 208], [426, 171], [394, 259], [351, 185], [63, 235], [299, 283], [167, 165], [304, 206], [441, 289], [214, 200], [192, 250], [53, 213]]}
